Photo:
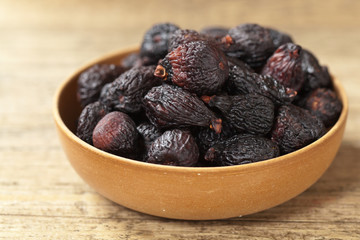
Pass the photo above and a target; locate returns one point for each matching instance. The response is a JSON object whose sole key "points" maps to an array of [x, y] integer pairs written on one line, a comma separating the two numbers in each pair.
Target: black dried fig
{"points": [[242, 149], [175, 148], [199, 67], [126, 92], [91, 81], [170, 106], [251, 113], [116, 133], [295, 128]]}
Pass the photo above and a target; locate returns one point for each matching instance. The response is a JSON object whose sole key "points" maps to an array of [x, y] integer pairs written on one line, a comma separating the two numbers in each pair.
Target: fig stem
{"points": [[291, 92], [206, 99], [227, 40], [160, 72], [216, 125]]}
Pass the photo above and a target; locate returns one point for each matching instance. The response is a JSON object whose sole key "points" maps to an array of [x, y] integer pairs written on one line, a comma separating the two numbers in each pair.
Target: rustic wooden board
{"points": [[42, 42]]}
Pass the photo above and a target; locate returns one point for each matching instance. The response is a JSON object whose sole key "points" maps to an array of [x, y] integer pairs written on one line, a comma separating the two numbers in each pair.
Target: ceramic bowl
{"points": [[195, 193]]}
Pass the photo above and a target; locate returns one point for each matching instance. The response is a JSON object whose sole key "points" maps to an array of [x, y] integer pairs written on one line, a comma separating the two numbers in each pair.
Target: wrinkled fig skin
{"points": [[116, 133], [148, 133], [279, 38], [88, 119], [216, 33], [241, 81], [170, 106], [295, 128], [316, 76], [126, 92], [251, 113], [91, 81], [249, 42], [206, 137], [175, 148], [156, 42], [235, 62], [199, 67], [131, 60], [182, 36], [242, 149], [285, 66], [324, 104]]}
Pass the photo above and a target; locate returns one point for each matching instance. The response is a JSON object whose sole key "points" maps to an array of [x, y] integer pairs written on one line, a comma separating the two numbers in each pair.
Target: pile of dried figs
{"points": [[214, 97]]}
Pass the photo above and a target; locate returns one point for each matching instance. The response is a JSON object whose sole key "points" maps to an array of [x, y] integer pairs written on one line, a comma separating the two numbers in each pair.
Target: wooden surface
{"points": [[42, 42]]}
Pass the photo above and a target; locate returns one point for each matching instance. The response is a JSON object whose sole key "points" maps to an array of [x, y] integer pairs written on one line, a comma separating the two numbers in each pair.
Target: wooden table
{"points": [[42, 42]]}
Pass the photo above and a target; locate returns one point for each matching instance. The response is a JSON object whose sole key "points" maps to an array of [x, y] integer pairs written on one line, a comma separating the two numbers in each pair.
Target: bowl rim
{"points": [[266, 164]]}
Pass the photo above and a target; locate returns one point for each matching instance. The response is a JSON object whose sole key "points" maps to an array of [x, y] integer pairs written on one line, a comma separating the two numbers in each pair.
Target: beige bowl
{"points": [[189, 192]]}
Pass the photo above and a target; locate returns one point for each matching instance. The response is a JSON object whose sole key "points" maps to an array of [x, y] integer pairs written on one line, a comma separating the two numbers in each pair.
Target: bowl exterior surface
{"points": [[192, 193]]}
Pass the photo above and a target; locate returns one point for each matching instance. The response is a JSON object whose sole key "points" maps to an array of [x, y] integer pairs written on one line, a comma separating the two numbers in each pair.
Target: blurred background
{"points": [[43, 42]]}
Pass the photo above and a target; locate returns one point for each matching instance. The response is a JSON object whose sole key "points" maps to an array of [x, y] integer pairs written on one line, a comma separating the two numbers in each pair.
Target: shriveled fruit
{"points": [[241, 81], [170, 106], [89, 117], [279, 38], [241, 65], [126, 92], [295, 128], [199, 67], [175, 148], [91, 81], [316, 76], [155, 42], [285, 66], [116, 133], [148, 133], [215, 32], [206, 137], [182, 36], [251, 113], [324, 103], [249, 42], [131, 60], [242, 149], [222, 97]]}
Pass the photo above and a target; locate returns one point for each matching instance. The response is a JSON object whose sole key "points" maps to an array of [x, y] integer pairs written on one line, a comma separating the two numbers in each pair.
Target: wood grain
{"points": [[42, 42]]}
